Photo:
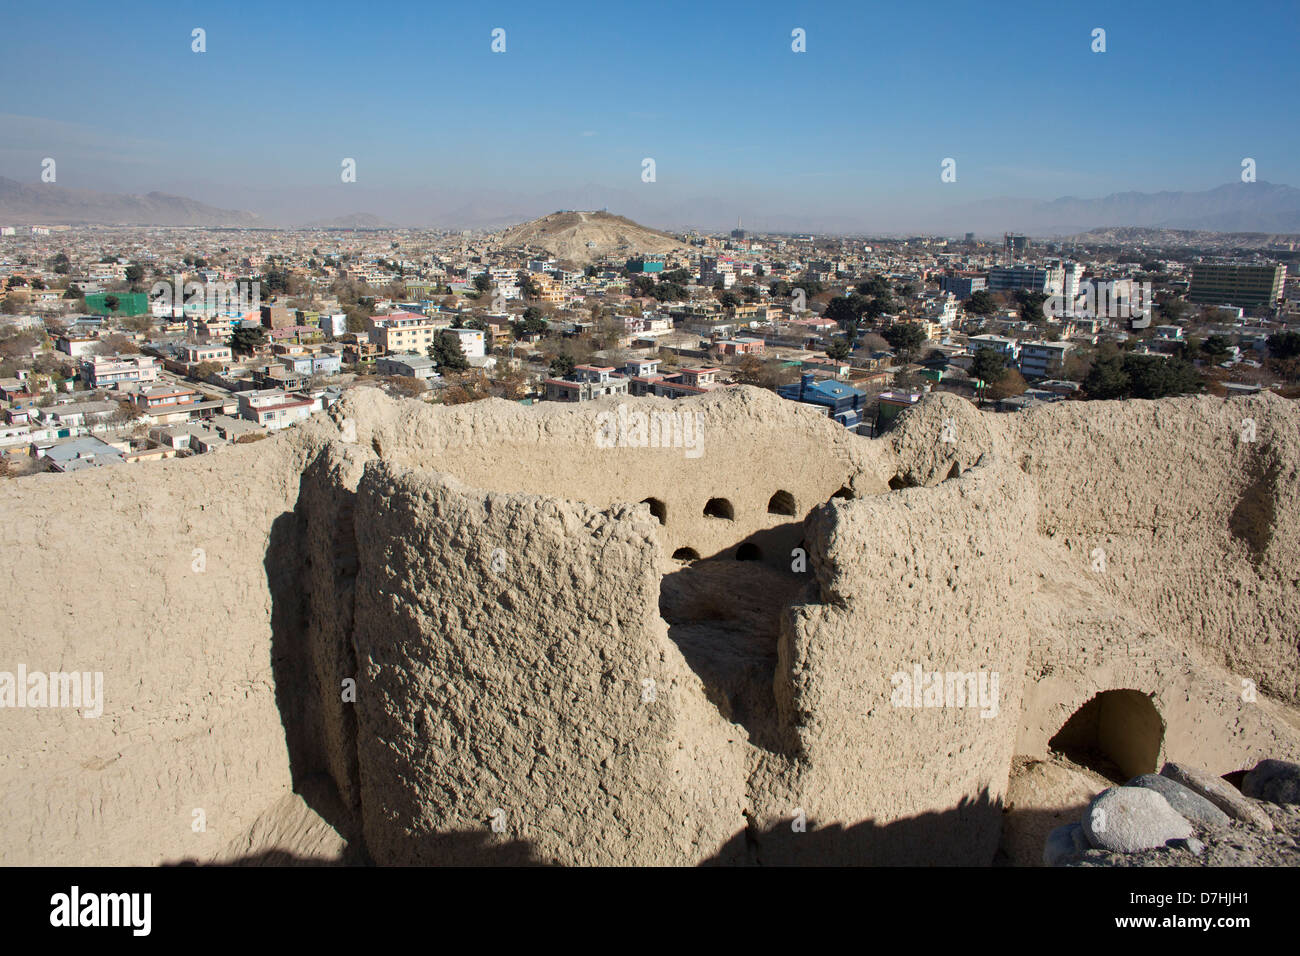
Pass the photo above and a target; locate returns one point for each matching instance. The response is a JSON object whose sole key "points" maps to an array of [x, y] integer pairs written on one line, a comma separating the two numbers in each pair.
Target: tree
{"points": [[981, 303], [1215, 347], [988, 366], [750, 370], [247, 338], [562, 365], [204, 371], [116, 345], [482, 282], [134, 273], [905, 337], [1107, 378], [838, 349], [1011, 383], [1151, 376], [668, 292], [111, 302], [447, 353], [1031, 305], [1284, 345], [729, 300], [356, 319], [842, 310], [407, 386]]}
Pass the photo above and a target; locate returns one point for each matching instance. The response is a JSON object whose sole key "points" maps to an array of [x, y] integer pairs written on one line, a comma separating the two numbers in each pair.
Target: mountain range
{"points": [[1235, 207], [51, 204]]}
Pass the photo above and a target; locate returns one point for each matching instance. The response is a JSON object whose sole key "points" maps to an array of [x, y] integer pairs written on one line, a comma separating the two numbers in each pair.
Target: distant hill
{"points": [[1235, 207], [1169, 238], [357, 220], [586, 236], [52, 204]]}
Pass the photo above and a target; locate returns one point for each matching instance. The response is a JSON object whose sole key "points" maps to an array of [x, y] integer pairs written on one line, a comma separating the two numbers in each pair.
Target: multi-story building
{"points": [[472, 342], [843, 403], [406, 331], [588, 382], [113, 371], [1246, 286], [274, 408], [963, 285], [1043, 359], [1009, 349], [1047, 280], [206, 353]]}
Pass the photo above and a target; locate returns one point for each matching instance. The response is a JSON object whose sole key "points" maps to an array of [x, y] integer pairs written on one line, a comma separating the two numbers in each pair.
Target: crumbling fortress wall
{"points": [[491, 633]]}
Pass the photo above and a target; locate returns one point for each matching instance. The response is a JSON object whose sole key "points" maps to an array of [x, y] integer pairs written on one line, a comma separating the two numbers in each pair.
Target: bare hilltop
{"points": [[587, 236]]}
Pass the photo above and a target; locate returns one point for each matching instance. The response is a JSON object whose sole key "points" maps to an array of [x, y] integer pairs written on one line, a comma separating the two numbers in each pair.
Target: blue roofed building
{"points": [[842, 402]]}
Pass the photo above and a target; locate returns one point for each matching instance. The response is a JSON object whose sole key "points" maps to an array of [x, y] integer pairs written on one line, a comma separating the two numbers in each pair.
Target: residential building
{"points": [[274, 408], [1043, 359], [410, 364], [114, 371], [843, 402]]}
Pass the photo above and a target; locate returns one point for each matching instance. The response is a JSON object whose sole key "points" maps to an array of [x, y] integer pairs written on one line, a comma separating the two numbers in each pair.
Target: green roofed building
{"points": [[128, 303]]}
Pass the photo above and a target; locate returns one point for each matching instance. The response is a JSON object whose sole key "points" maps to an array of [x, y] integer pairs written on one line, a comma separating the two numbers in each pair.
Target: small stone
{"points": [[1191, 844], [1064, 844], [1128, 819], [1277, 781], [1191, 805], [1219, 792]]}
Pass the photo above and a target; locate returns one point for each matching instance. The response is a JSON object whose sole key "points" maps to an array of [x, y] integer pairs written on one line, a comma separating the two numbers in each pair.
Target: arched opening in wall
{"points": [[781, 503], [719, 508], [658, 509], [897, 483], [748, 552], [1118, 734], [845, 492], [956, 470], [686, 554]]}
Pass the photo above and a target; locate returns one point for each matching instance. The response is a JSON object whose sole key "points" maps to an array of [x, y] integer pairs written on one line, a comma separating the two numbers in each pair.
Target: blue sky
{"points": [[711, 91]]}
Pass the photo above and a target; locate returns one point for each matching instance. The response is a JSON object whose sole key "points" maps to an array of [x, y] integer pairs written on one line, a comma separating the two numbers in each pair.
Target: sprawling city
{"points": [[626, 494]]}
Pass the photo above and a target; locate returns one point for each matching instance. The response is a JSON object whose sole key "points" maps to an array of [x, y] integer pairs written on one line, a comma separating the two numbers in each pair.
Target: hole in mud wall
{"points": [[956, 470], [719, 508], [897, 483], [658, 509], [686, 554], [781, 503], [1118, 734], [845, 492], [748, 552]]}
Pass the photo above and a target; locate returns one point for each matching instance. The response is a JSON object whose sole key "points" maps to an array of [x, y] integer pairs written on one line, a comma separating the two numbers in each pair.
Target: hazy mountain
{"points": [[1235, 207], [52, 204], [356, 220]]}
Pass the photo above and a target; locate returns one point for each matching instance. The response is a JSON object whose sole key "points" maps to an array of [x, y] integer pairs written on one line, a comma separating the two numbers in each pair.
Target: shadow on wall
{"points": [[940, 838], [724, 614], [297, 691]]}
